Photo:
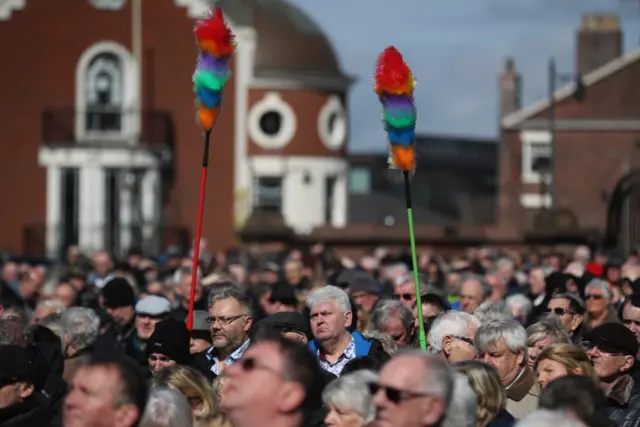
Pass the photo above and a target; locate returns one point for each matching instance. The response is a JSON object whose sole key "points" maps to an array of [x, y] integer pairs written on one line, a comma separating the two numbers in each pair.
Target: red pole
{"points": [[196, 244]]}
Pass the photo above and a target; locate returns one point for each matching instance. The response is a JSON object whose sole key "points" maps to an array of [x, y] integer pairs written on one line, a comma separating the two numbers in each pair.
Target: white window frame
{"points": [[535, 200], [333, 140], [130, 128], [527, 139], [272, 101]]}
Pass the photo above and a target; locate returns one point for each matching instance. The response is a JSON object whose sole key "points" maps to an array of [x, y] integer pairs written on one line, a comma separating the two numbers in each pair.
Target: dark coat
{"points": [[623, 402], [503, 419], [26, 414]]}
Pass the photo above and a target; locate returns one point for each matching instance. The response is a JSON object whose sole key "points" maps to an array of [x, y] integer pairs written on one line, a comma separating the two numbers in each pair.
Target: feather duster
{"points": [[394, 84], [217, 44]]}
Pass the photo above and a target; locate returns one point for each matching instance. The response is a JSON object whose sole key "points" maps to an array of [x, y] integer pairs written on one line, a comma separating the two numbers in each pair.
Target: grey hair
{"points": [[53, 322], [438, 380], [329, 293], [229, 290], [449, 324], [389, 308], [492, 310], [352, 392], [519, 301], [388, 344], [506, 263], [464, 404], [513, 333], [423, 280], [81, 327], [486, 288], [545, 417], [548, 326], [600, 284], [56, 305], [167, 408]]}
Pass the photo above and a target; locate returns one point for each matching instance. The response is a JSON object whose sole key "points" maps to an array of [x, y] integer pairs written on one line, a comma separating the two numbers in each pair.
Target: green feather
{"points": [[207, 80], [399, 121]]}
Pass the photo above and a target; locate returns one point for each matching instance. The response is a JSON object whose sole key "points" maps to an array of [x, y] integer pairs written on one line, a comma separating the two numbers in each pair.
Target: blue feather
{"points": [[402, 137], [209, 99]]}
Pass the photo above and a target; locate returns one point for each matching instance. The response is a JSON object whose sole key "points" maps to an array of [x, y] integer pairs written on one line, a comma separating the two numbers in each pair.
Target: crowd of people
{"points": [[302, 338]]}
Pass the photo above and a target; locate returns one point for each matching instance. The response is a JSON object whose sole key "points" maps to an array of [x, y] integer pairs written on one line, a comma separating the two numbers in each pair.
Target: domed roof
{"points": [[288, 41]]}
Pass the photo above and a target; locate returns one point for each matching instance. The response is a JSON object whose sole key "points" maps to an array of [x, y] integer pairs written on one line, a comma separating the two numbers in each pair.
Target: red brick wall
{"points": [[38, 71]]}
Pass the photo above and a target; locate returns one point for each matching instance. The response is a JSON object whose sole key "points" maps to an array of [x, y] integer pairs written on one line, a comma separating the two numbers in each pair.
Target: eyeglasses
{"points": [[630, 322], [250, 364], [160, 358], [593, 296], [405, 297], [465, 339], [394, 395], [560, 311], [224, 320]]}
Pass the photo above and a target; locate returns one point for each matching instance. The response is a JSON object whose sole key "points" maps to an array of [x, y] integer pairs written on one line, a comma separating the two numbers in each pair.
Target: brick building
{"points": [[592, 130], [100, 145]]}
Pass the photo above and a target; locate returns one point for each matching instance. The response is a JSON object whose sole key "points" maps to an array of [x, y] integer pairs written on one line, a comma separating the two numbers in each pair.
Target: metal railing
{"points": [[67, 126]]}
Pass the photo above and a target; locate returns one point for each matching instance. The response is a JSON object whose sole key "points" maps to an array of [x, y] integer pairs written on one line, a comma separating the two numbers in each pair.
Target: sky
{"points": [[456, 49]]}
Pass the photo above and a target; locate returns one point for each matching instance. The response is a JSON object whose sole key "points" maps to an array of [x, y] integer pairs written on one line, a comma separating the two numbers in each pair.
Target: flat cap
{"points": [[153, 305]]}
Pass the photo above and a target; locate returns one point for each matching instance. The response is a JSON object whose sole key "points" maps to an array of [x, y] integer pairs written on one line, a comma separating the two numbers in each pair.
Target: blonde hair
{"points": [[191, 383], [485, 382], [571, 357]]}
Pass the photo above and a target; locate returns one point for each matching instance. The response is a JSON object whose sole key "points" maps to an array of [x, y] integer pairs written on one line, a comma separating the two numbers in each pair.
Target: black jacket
{"points": [[26, 414]]}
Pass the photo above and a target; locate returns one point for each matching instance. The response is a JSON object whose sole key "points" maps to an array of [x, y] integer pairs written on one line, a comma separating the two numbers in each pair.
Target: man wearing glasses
{"points": [[414, 390], [570, 310], [276, 383], [229, 324], [612, 350]]}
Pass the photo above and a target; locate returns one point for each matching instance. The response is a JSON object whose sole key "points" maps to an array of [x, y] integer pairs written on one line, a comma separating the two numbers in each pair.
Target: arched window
{"points": [[107, 91], [104, 93]]}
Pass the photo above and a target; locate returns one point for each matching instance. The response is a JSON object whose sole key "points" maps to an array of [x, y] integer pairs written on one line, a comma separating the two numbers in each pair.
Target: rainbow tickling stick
{"points": [[394, 84], [216, 43]]}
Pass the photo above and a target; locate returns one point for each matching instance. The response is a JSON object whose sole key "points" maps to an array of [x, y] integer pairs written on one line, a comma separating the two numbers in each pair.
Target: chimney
{"points": [[599, 41], [510, 87]]}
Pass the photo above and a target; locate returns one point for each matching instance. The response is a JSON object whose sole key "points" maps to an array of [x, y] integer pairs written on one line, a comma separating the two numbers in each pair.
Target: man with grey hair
{"points": [[167, 408], [405, 288], [492, 310], [45, 308], [80, 330], [350, 395], [464, 404], [335, 346], [451, 336], [414, 390], [394, 318], [474, 290], [598, 297], [503, 345]]}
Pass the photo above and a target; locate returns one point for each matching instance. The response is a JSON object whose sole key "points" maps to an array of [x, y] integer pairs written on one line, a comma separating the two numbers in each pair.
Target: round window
{"points": [[271, 123], [332, 124]]}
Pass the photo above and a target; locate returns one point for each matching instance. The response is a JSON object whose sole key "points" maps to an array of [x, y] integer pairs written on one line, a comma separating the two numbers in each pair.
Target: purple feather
{"points": [[212, 64]]}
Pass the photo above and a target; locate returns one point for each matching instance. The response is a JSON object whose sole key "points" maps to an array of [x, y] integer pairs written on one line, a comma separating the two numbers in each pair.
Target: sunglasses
{"points": [[159, 359], [394, 395], [592, 296], [405, 297], [250, 364], [464, 339], [560, 311]]}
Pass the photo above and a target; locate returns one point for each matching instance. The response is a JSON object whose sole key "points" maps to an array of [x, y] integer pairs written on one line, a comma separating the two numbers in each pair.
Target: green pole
{"points": [[414, 258]]}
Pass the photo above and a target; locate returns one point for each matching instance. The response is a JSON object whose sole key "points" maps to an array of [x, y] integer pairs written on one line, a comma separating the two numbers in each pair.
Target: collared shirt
{"points": [[337, 367], [212, 357]]}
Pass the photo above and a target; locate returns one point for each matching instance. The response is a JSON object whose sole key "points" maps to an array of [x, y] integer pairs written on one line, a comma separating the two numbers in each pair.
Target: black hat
{"points": [[613, 338], [433, 295], [17, 364], [292, 321], [117, 292], [200, 326], [283, 293], [171, 338], [363, 283]]}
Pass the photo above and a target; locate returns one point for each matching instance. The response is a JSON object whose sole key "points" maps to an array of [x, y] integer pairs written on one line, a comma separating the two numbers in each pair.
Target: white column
{"points": [[92, 207], [151, 202], [339, 214], [125, 181], [53, 211]]}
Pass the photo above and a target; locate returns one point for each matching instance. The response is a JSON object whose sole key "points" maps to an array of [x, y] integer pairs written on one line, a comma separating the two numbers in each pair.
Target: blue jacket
{"points": [[363, 345]]}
